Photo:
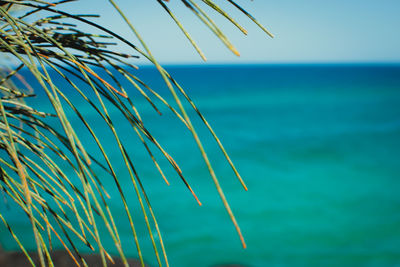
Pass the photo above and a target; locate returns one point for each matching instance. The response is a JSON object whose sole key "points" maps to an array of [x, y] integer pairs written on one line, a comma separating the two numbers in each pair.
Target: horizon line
{"points": [[216, 64]]}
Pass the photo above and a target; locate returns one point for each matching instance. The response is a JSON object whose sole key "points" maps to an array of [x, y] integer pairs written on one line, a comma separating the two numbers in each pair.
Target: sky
{"points": [[307, 31]]}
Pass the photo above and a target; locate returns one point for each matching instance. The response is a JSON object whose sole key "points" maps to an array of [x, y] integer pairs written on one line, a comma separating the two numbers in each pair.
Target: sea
{"points": [[318, 146]]}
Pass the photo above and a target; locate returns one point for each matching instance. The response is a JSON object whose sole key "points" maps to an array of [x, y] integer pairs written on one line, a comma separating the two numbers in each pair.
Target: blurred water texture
{"points": [[318, 146]]}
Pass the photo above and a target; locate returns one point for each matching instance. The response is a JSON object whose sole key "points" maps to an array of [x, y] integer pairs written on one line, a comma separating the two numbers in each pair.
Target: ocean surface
{"points": [[317, 145]]}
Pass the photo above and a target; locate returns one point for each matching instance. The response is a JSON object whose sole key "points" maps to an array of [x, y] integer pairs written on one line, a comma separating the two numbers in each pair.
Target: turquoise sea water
{"points": [[318, 146]]}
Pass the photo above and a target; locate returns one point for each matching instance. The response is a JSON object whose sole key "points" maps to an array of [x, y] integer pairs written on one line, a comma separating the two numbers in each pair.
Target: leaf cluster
{"points": [[47, 42]]}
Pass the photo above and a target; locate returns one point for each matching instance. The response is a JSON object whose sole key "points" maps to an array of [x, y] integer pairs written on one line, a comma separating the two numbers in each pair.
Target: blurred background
{"points": [[311, 119], [309, 31]]}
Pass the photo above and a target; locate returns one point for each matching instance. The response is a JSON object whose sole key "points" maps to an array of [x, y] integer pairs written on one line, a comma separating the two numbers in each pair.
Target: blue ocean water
{"points": [[317, 145]]}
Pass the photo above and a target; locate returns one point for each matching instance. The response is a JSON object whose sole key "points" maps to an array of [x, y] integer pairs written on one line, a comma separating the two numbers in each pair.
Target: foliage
{"points": [[47, 41]]}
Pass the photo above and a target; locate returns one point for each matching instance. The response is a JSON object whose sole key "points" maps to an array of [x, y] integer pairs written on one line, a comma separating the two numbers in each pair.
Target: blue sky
{"points": [[306, 31]]}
